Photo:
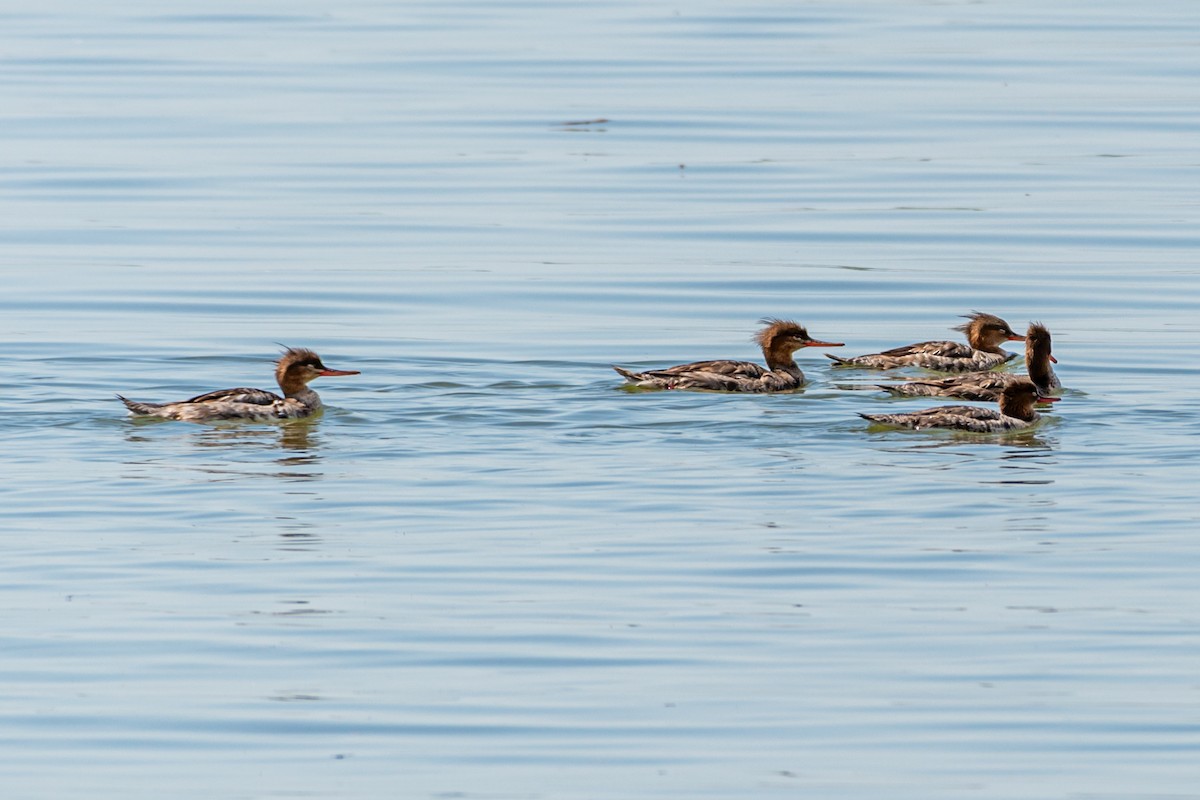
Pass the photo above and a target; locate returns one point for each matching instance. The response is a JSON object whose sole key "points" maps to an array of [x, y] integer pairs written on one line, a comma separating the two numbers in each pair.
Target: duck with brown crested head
{"points": [[988, 385], [982, 351], [1016, 413], [779, 339], [295, 368]]}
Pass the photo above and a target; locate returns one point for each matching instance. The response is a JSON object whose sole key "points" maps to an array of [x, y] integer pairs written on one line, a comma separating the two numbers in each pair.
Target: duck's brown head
{"points": [[1018, 398], [986, 331], [782, 337], [299, 365]]}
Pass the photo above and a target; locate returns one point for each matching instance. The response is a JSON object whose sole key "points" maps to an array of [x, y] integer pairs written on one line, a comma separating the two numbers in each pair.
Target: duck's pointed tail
{"points": [[138, 408], [632, 377]]}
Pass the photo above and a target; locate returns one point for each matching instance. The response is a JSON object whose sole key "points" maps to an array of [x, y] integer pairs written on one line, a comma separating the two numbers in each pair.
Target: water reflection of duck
{"points": [[779, 340], [295, 368], [984, 334], [1016, 413], [988, 385], [298, 436]]}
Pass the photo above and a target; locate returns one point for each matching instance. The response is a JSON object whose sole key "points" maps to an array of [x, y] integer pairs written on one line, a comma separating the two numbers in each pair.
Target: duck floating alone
{"points": [[988, 385], [982, 351], [779, 340], [295, 368], [1016, 413]]}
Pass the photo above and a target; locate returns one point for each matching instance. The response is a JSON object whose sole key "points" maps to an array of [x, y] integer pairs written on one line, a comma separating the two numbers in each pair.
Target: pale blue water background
{"points": [[486, 573]]}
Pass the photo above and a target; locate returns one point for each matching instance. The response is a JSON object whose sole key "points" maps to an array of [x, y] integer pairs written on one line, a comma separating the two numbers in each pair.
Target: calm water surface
{"points": [[485, 572]]}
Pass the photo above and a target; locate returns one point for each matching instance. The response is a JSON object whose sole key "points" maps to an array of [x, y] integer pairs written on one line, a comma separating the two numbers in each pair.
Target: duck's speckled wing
{"points": [[715, 376], [908, 355], [971, 386], [258, 397], [960, 418], [979, 360], [732, 369], [718, 382], [961, 359], [940, 349]]}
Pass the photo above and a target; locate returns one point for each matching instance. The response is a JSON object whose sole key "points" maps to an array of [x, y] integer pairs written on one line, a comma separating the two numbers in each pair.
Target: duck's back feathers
{"points": [[961, 418], [258, 397], [970, 386], [943, 349], [715, 376], [938, 356], [732, 369]]}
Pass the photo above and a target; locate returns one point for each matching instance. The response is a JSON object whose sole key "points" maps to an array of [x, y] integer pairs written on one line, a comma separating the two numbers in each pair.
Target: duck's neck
{"points": [[308, 397], [299, 390], [1037, 364], [780, 359]]}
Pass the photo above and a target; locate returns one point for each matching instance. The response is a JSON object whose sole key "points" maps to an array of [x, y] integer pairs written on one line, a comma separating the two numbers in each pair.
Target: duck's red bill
{"points": [[1052, 358], [815, 343], [327, 372], [1016, 338], [1048, 399]]}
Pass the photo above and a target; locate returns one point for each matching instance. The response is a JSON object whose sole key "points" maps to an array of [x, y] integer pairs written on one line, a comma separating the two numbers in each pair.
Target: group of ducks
{"points": [[974, 364]]}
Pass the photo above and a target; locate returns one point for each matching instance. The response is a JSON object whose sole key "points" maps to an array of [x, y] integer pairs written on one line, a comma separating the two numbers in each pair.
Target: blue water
{"points": [[485, 572]]}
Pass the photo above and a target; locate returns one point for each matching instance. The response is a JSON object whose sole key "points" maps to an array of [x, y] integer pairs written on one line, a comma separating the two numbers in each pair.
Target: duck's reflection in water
{"points": [[298, 441], [935, 440], [296, 444]]}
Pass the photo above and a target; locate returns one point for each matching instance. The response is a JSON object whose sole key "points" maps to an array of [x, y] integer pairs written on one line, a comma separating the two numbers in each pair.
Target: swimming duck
{"points": [[1016, 413], [984, 333], [295, 368], [779, 340], [988, 385]]}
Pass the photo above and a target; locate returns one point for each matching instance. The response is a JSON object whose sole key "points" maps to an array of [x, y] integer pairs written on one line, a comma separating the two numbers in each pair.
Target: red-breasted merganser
{"points": [[984, 333], [988, 385], [1016, 413], [293, 371], [779, 339]]}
